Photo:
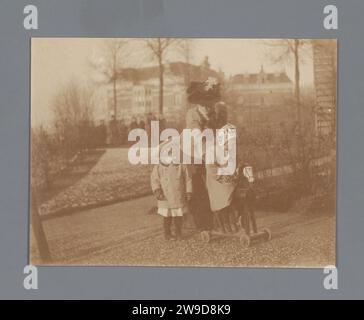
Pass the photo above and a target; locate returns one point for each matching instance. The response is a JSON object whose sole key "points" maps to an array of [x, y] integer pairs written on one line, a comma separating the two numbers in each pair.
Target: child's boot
{"points": [[178, 225], [167, 221], [220, 219]]}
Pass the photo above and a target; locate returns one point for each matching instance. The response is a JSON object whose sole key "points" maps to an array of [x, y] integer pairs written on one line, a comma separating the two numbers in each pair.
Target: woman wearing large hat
{"points": [[203, 97]]}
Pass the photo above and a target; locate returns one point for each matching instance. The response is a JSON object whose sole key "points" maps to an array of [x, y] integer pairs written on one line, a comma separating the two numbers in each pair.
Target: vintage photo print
{"points": [[183, 152]]}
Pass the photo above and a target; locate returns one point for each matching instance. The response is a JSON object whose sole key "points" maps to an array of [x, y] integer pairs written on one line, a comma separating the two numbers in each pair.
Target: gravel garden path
{"points": [[124, 234]]}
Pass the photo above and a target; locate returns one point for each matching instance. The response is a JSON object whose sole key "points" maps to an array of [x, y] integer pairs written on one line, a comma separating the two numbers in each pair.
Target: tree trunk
{"points": [[115, 96], [161, 84], [297, 83]]}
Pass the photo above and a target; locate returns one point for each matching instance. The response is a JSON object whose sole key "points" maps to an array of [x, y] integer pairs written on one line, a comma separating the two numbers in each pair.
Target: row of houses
{"points": [[255, 97], [138, 91], [260, 98]]}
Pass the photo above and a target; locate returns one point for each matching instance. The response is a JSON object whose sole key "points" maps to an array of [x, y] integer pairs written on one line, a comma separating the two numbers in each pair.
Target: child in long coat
{"points": [[172, 186]]}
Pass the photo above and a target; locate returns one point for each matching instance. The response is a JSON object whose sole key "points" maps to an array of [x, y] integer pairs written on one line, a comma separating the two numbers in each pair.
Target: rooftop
{"points": [[255, 78], [182, 69]]}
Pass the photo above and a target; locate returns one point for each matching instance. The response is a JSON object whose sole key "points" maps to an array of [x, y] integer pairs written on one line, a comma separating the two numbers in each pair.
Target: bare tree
{"points": [[114, 56], [73, 103], [159, 48], [296, 50], [66, 103], [293, 50], [186, 47], [73, 110]]}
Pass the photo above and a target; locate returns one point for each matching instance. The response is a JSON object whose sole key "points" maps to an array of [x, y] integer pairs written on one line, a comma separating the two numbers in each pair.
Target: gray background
{"points": [[192, 18]]}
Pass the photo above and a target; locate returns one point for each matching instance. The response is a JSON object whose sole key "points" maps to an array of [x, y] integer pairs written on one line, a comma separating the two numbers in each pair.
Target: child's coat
{"points": [[175, 181]]}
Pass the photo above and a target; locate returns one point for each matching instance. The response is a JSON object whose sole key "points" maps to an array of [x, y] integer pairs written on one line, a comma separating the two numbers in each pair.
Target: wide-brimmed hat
{"points": [[204, 92]]}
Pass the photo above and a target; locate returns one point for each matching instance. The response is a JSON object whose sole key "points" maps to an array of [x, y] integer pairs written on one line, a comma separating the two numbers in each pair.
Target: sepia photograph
{"points": [[183, 152]]}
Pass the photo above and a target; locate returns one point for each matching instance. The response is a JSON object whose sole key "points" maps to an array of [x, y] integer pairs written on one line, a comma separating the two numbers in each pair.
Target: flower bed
{"points": [[112, 179]]}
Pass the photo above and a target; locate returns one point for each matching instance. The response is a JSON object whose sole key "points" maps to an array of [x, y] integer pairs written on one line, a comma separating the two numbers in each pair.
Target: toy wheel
{"points": [[205, 236], [245, 240], [268, 234]]}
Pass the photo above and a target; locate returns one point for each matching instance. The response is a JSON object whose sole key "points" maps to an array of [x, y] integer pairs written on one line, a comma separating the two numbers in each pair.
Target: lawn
{"points": [[111, 179]]}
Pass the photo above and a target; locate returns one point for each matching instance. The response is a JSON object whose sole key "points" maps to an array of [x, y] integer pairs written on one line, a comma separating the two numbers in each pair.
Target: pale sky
{"points": [[57, 60]]}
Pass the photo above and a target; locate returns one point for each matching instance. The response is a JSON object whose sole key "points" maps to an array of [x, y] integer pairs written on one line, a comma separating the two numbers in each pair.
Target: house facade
{"points": [[259, 96], [138, 91]]}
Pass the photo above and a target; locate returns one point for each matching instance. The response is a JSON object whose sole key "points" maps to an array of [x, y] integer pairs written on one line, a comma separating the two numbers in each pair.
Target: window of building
{"points": [[177, 99]]}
